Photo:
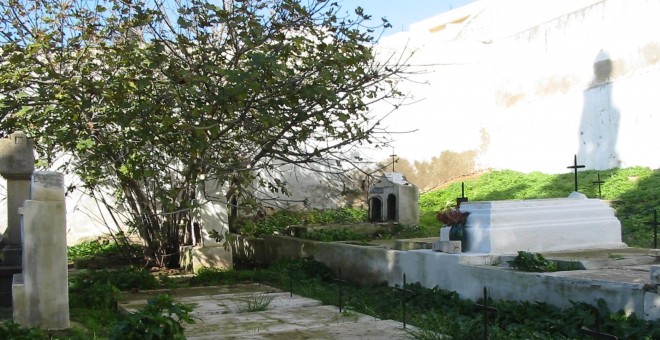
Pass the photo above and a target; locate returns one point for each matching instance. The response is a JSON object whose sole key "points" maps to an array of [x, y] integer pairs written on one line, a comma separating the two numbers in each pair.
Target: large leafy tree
{"points": [[154, 97]]}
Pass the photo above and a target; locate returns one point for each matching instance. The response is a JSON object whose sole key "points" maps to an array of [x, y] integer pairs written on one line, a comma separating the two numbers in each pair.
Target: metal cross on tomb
{"points": [[406, 295], [461, 199], [394, 160], [340, 284], [599, 182], [654, 224], [597, 334], [485, 308], [575, 168]]}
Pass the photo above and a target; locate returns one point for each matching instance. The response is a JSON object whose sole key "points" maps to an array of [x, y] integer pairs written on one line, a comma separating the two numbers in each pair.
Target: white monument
{"points": [[40, 294], [506, 227]]}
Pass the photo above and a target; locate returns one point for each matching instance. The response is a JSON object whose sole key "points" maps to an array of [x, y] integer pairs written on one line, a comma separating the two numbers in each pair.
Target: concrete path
{"points": [[222, 313]]}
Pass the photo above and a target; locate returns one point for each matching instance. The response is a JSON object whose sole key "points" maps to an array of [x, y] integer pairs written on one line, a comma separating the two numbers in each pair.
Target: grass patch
{"points": [[439, 312], [634, 193], [255, 303]]}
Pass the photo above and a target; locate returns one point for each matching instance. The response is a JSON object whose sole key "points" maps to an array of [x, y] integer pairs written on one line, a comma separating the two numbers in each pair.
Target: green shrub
{"points": [[532, 262], [129, 278], [96, 295], [161, 319], [103, 247], [281, 219], [336, 234], [215, 276], [11, 330]]}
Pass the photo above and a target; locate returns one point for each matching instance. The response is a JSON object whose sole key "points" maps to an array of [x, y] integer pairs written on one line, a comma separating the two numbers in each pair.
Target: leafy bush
{"points": [[11, 330], [96, 295], [336, 234], [215, 276], [128, 278], [103, 247], [532, 262], [161, 319], [282, 219]]}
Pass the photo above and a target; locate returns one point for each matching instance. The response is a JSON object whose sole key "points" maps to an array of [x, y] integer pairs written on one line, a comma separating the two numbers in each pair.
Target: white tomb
{"points": [[506, 227], [41, 293]]}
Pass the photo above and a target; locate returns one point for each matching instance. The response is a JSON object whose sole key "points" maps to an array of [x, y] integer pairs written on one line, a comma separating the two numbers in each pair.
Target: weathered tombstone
{"points": [[40, 294], [16, 166]]}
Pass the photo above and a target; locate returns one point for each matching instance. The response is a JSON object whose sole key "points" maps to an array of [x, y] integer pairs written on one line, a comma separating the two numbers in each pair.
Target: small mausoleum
{"points": [[393, 199]]}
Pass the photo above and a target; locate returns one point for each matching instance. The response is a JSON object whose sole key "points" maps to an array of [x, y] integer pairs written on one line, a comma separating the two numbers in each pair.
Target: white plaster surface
{"points": [[506, 227], [620, 285], [652, 305], [655, 275], [516, 82], [444, 233], [449, 247]]}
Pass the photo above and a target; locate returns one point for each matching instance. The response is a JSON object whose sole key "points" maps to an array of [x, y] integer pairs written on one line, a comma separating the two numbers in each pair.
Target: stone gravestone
{"points": [[16, 165], [40, 294]]}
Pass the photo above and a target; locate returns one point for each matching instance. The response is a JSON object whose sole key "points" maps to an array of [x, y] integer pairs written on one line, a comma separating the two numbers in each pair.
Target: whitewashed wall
{"points": [[524, 93], [87, 219]]}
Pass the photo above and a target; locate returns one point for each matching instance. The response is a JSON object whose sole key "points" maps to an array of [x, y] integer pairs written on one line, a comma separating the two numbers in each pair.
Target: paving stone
{"points": [[218, 316]]}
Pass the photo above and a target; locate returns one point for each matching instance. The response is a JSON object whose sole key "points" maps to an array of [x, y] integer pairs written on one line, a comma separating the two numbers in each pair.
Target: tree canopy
{"points": [[154, 97]]}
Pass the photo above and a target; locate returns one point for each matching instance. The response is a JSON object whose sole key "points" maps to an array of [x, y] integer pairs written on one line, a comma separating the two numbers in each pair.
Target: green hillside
{"points": [[634, 192]]}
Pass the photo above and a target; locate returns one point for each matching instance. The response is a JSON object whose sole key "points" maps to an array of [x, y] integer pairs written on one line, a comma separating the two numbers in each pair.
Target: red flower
{"points": [[452, 217]]}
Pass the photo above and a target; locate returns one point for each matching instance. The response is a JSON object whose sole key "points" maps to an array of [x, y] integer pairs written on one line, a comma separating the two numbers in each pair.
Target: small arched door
{"points": [[391, 207], [375, 210]]}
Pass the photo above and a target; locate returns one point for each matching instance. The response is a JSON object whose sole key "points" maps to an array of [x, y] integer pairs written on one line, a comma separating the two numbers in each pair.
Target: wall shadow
{"points": [[599, 124]]}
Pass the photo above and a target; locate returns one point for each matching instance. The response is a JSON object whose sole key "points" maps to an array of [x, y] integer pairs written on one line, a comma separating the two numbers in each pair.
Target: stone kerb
{"points": [[505, 227], [40, 293]]}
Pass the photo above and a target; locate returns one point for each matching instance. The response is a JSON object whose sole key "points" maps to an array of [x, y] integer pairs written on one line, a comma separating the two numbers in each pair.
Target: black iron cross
{"points": [[599, 182], [290, 280], [461, 199], [406, 295], [485, 308], [597, 334], [340, 283], [575, 168], [393, 155], [654, 224]]}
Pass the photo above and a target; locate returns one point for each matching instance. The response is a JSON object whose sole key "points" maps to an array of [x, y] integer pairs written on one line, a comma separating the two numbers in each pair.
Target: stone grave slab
{"points": [[506, 227]]}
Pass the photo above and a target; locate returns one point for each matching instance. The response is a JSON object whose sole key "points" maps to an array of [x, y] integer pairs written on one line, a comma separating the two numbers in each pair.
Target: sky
{"points": [[401, 13]]}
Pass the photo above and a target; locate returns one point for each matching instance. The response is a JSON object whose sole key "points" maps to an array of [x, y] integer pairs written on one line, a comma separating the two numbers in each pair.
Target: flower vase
{"points": [[458, 233]]}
